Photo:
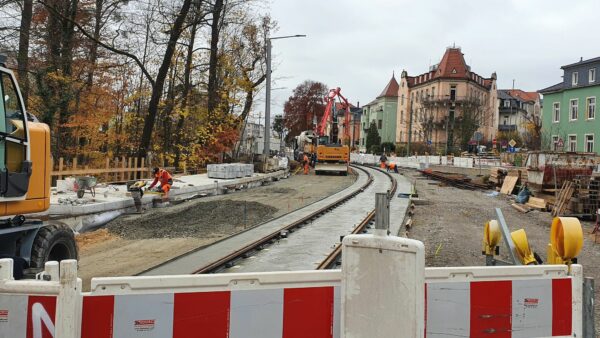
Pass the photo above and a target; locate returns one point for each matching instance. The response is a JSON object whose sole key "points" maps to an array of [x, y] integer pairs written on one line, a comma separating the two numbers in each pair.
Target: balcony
{"points": [[507, 127]]}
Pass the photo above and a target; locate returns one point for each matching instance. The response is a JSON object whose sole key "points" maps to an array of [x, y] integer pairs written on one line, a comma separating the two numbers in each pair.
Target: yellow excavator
{"points": [[25, 165]]}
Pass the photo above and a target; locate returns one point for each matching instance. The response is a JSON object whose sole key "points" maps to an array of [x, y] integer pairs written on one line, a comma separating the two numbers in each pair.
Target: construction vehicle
{"points": [[25, 167], [333, 157], [305, 144]]}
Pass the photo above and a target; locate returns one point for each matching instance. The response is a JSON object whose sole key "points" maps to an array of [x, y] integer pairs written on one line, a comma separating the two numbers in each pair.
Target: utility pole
{"points": [[410, 118], [267, 140]]}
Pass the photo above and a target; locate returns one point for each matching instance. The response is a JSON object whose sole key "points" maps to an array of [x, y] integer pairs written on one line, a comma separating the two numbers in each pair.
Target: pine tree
{"points": [[373, 138]]}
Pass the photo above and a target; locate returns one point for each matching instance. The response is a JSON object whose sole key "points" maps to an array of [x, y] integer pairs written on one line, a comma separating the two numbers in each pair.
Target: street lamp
{"points": [[267, 147]]}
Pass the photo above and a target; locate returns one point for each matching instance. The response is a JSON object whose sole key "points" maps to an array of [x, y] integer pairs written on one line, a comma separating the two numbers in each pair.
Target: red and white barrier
{"points": [[285, 313], [518, 301]]}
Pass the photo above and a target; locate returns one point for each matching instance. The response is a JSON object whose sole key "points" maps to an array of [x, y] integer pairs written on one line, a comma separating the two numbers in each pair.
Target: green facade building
{"points": [[569, 120], [381, 111]]}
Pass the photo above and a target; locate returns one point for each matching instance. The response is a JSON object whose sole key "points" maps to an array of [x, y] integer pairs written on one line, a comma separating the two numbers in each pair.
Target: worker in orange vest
{"points": [[383, 160], [165, 179], [305, 163]]}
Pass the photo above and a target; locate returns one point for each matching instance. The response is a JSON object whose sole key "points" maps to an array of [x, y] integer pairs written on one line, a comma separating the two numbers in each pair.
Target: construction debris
{"points": [[456, 180], [73, 201]]}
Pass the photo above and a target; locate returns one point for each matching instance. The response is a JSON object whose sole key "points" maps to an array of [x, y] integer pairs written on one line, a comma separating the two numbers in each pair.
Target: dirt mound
{"points": [[89, 239], [206, 219]]}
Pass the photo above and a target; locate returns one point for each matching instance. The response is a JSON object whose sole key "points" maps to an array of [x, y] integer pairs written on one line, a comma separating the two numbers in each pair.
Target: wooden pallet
{"points": [[536, 203], [509, 185], [564, 196]]}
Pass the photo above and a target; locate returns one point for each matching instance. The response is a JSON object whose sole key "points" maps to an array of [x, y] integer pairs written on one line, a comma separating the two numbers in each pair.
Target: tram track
{"points": [[227, 259]]}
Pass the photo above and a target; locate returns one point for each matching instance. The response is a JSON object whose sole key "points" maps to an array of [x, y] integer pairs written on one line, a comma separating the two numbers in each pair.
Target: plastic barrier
{"points": [[516, 301]]}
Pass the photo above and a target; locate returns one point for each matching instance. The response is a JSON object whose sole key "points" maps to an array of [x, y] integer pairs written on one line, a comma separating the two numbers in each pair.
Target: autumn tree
{"points": [[304, 107]]}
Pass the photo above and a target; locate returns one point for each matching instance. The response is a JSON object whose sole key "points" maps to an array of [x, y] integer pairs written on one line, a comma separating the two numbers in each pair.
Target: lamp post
{"points": [[267, 141]]}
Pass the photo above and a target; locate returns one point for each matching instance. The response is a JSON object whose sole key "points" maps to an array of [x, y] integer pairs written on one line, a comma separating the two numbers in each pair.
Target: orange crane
{"points": [[329, 107], [333, 157]]}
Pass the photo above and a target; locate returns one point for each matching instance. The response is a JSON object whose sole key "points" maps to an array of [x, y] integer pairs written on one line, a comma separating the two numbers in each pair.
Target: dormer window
{"points": [[592, 75], [575, 78], [507, 103]]}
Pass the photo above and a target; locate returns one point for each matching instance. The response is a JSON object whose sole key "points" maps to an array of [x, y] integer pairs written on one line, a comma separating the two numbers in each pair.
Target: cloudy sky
{"points": [[356, 44]]}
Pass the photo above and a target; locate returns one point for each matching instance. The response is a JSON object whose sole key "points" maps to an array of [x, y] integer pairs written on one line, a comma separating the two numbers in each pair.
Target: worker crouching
{"points": [[165, 179]]}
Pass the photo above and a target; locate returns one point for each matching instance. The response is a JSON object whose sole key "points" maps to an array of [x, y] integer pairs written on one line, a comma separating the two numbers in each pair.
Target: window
{"points": [[592, 75], [556, 109], [402, 102], [591, 108], [432, 91], [574, 78], [573, 143], [574, 109], [452, 92], [379, 124], [401, 116], [505, 119], [589, 143], [555, 142], [506, 103]]}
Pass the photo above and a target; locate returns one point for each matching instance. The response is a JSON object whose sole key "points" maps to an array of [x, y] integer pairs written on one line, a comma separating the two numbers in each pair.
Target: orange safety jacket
{"points": [[164, 177]]}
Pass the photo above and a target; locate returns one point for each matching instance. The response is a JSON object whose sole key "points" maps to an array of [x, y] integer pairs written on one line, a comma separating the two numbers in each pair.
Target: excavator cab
{"points": [[15, 163]]}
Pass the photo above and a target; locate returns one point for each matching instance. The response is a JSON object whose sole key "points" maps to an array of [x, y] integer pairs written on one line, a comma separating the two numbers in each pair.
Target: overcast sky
{"points": [[356, 44]]}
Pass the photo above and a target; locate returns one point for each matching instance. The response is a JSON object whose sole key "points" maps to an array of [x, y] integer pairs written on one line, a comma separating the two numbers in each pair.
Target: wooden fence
{"points": [[118, 170]]}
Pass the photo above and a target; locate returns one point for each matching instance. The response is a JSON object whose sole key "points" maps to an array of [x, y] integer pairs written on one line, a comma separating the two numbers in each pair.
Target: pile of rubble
{"points": [[72, 200]]}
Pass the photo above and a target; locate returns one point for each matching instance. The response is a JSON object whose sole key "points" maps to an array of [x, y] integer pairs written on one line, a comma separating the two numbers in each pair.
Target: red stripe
{"points": [[308, 312], [561, 307], [49, 304], [97, 317], [491, 304], [201, 314]]}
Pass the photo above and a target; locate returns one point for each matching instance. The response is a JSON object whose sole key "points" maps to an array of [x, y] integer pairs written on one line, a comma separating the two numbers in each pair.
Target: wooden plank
{"points": [[129, 162], [520, 208], [536, 203], [124, 165], [509, 185], [106, 167]]}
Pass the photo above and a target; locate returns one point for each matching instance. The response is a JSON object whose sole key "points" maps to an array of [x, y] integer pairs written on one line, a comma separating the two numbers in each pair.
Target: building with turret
{"points": [[383, 113], [444, 107]]}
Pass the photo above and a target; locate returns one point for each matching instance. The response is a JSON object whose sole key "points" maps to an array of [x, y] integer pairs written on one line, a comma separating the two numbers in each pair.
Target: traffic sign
{"points": [[494, 141], [512, 143], [478, 136]]}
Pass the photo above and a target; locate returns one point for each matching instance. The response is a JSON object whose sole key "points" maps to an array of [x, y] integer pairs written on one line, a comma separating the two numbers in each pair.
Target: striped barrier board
{"points": [[502, 308], [27, 316], [283, 313]]}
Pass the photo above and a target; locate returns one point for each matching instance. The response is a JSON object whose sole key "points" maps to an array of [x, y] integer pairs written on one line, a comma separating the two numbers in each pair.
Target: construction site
{"points": [[145, 193]]}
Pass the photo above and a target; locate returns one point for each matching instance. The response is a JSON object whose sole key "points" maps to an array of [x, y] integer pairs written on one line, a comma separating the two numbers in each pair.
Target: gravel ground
{"points": [[212, 218], [134, 243], [451, 227]]}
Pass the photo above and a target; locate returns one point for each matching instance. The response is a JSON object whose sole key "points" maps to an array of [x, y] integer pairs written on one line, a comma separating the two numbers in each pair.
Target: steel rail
{"points": [[244, 252], [331, 261]]}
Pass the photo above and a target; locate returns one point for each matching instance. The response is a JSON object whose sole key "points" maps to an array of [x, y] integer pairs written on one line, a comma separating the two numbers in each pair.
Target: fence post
{"points": [[135, 169], [142, 165], [107, 168], [123, 166], [68, 305], [129, 166], [60, 168], [74, 163]]}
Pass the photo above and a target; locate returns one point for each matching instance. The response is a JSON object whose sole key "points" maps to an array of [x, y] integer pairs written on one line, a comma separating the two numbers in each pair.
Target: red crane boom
{"points": [[330, 101]]}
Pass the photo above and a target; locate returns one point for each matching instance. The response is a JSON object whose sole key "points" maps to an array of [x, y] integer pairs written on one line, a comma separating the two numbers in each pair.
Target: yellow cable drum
{"points": [[566, 239]]}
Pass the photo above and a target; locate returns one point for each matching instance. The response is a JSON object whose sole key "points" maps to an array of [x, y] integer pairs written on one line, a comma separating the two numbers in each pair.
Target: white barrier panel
{"points": [[286, 305]]}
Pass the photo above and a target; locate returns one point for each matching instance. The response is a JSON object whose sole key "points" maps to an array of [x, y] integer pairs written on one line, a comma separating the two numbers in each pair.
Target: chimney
{"points": [[357, 104], [581, 59]]}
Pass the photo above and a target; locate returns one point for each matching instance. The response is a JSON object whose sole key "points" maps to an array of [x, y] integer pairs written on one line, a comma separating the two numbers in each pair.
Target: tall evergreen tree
{"points": [[373, 138]]}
